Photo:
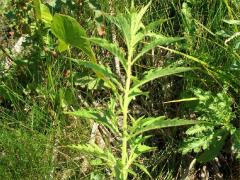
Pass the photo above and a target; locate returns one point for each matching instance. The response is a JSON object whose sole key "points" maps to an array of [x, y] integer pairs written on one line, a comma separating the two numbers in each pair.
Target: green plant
{"points": [[216, 115], [130, 131], [54, 74]]}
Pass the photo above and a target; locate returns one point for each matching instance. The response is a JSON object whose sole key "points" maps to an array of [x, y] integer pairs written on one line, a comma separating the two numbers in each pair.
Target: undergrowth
{"points": [[68, 112]]}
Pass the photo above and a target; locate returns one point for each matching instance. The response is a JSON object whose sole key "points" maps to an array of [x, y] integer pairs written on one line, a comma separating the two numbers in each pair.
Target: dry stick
{"points": [[114, 39]]}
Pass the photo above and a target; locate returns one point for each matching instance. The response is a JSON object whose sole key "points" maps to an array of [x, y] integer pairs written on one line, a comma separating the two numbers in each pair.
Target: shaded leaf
{"points": [[215, 147], [236, 143]]}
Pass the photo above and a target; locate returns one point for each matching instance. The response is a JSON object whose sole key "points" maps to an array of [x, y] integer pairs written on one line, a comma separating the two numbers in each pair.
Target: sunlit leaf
{"points": [[138, 148], [62, 46], [130, 171], [232, 22], [37, 8], [159, 41], [152, 123], [96, 115], [153, 25], [143, 168], [182, 100], [68, 30], [95, 151], [160, 72], [42, 12], [123, 25], [136, 18], [113, 48], [136, 92], [104, 73]]}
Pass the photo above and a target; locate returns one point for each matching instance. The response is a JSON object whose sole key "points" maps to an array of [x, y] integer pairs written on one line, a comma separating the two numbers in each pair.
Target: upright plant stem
{"points": [[125, 123]]}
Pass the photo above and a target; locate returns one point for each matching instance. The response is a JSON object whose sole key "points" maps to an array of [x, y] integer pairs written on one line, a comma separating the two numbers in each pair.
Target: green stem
{"points": [[125, 123]]}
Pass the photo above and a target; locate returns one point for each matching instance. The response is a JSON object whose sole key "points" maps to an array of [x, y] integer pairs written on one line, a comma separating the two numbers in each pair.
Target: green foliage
{"points": [[157, 73], [4, 5], [216, 115], [147, 124], [23, 154], [113, 48], [236, 143], [49, 96], [95, 151], [98, 116], [69, 31], [133, 32], [42, 12]]}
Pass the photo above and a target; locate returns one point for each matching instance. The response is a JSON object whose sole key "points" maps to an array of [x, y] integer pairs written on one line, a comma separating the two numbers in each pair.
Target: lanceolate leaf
{"points": [[159, 41], [138, 148], [103, 73], [148, 124], [69, 30], [160, 72], [137, 151], [94, 150], [130, 26], [136, 92], [151, 26], [130, 171], [236, 22], [140, 123], [136, 18], [137, 38], [123, 25], [95, 115], [143, 168], [113, 48]]}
